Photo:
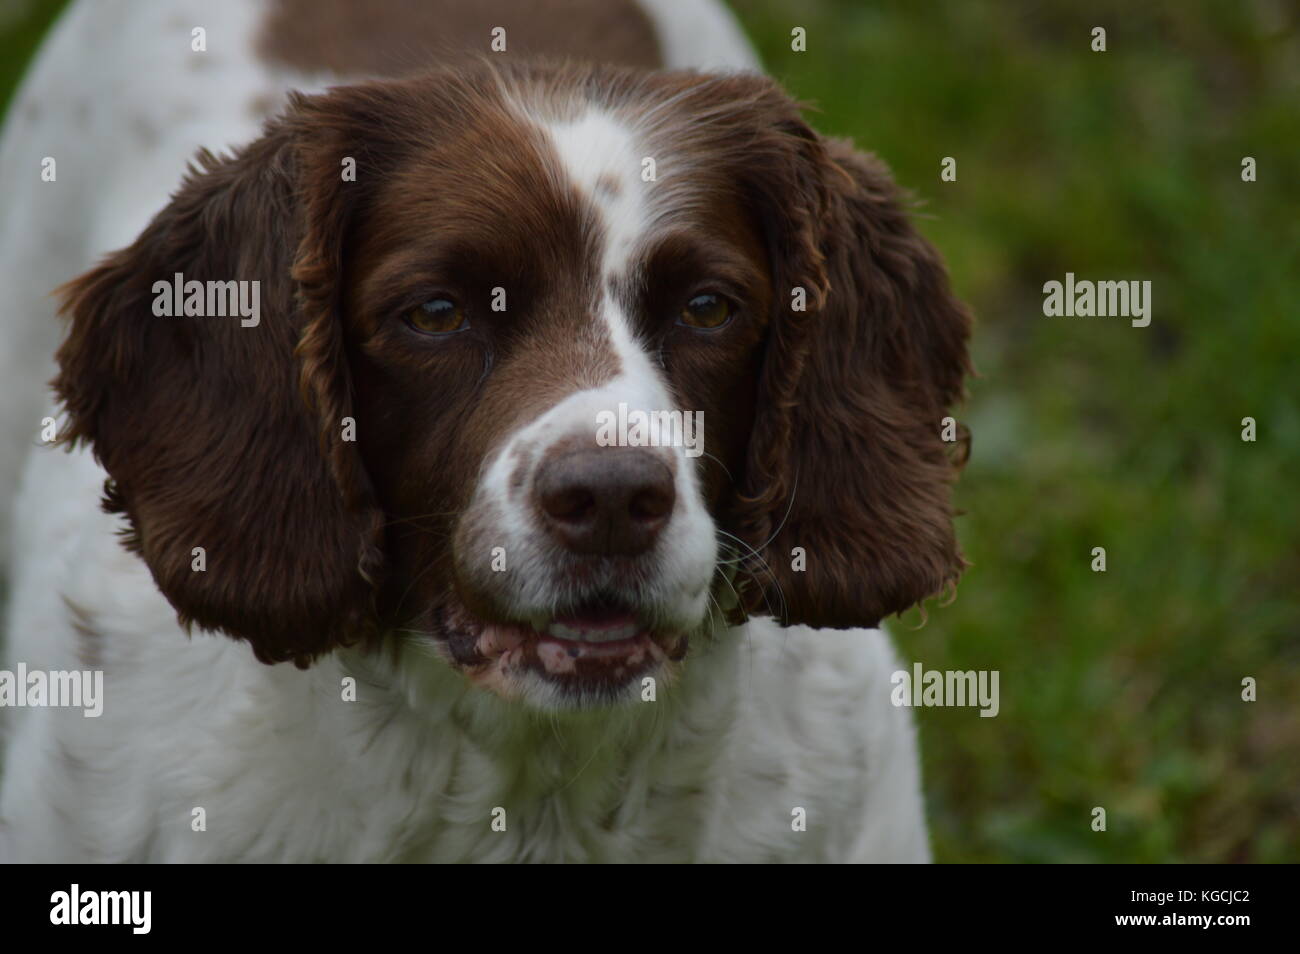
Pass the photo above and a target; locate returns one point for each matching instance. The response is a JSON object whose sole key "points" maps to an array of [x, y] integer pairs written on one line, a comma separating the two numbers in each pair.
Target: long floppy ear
{"points": [[847, 459], [221, 434]]}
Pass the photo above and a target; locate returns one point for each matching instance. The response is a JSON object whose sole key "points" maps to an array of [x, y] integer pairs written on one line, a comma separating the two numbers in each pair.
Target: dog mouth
{"points": [[596, 648]]}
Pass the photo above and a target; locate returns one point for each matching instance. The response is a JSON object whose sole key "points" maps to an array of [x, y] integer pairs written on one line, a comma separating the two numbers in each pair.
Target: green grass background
{"points": [[1119, 689]]}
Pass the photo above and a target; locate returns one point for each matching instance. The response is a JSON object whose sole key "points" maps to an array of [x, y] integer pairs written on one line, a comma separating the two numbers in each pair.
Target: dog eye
{"points": [[706, 311], [438, 316]]}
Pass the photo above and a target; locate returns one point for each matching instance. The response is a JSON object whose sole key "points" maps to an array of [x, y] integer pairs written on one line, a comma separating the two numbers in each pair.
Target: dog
{"points": [[390, 407]]}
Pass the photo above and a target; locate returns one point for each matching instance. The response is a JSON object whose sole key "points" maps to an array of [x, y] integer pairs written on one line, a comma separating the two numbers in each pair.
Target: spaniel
{"points": [[337, 408]]}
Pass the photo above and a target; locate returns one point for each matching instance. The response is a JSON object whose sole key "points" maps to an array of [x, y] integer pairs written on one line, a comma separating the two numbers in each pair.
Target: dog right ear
{"points": [[847, 460], [225, 433]]}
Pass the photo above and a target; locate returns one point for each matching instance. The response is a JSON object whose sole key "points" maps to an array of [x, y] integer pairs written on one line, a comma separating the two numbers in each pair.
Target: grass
{"points": [[1119, 689]]}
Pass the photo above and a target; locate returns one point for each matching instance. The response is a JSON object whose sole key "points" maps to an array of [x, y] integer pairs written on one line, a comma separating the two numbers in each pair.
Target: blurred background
{"points": [[1119, 689]]}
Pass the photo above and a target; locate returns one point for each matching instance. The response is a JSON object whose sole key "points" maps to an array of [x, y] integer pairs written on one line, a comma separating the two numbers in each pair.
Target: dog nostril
{"points": [[608, 501], [652, 503], [571, 504]]}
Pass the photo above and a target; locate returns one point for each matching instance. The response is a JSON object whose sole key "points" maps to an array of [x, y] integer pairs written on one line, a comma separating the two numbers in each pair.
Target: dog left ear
{"points": [[848, 459], [225, 435]]}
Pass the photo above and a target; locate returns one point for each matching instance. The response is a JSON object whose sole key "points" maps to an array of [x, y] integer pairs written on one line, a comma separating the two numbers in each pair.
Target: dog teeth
{"points": [[599, 634]]}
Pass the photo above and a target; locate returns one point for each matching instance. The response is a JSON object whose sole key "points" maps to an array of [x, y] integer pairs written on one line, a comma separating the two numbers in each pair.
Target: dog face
{"points": [[442, 428]]}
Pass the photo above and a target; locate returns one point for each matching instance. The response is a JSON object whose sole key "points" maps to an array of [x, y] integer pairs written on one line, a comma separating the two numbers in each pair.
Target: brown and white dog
{"points": [[342, 396]]}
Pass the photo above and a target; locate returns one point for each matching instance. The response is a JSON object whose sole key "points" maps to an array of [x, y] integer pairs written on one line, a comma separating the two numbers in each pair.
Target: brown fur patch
{"points": [[609, 186], [397, 37]]}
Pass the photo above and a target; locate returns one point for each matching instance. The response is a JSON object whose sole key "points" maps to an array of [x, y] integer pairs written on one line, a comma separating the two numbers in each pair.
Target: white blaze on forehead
{"points": [[600, 158]]}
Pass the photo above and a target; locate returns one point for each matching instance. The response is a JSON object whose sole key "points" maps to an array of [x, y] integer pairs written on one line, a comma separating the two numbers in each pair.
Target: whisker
{"points": [[741, 564]]}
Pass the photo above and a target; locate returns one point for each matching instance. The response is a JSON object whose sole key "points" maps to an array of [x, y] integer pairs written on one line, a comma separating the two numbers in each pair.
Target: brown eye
{"points": [[438, 316], [706, 311]]}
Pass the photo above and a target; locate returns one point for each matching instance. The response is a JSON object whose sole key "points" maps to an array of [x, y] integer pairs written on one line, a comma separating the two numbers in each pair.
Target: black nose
{"points": [[612, 501]]}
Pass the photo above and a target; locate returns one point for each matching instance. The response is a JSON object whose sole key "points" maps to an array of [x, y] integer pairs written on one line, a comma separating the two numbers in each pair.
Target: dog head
{"points": [[555, 367]]}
